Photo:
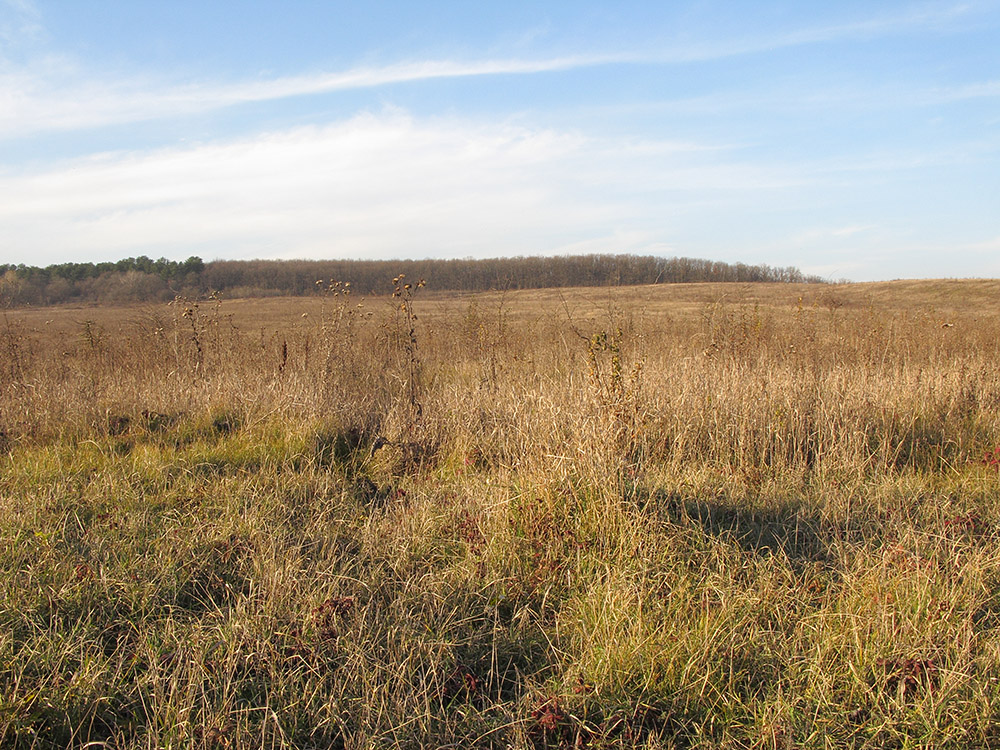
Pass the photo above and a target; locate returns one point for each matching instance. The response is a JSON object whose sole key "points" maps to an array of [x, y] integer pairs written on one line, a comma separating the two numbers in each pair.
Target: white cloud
{"points": [[374, 185], [52, 96], [390, 185]]}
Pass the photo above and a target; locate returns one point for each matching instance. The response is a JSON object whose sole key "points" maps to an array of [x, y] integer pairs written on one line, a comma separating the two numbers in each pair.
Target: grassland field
{"points": [[674, 516]]}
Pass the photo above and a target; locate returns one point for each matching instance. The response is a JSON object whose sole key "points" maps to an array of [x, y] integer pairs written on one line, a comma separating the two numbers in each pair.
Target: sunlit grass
{"points": [[773, 526]]}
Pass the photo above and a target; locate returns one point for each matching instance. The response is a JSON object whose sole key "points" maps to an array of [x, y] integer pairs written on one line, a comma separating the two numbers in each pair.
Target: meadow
{"points": [[671, 516]]}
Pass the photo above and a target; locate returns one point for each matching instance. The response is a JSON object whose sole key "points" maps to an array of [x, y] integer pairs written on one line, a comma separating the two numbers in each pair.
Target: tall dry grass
{"points": [[535, 520]]}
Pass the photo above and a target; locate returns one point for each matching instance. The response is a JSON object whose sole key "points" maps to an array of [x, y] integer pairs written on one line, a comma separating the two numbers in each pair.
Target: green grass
{"points": [[233, 588]]}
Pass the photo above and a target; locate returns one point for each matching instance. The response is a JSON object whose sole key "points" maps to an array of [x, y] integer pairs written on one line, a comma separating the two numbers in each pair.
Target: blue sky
{"points": [[856, 140]]}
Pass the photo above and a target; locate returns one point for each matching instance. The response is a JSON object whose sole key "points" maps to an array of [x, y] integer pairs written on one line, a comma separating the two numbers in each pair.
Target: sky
{"points": [[853, 140]]}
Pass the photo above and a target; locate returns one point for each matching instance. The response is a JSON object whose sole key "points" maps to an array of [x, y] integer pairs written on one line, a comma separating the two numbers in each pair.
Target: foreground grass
{"points": [[779, 530]]}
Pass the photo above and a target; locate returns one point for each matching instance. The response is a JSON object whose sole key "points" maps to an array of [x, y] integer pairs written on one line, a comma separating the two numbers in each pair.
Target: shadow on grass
{"points": [[783, 526]]}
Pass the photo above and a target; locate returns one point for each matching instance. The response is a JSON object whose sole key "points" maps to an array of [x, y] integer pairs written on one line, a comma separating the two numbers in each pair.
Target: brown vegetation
{"points": [[667, 516]]}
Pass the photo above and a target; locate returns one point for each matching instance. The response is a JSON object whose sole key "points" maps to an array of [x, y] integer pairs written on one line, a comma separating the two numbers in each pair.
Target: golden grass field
{"points": [[675, 516]]}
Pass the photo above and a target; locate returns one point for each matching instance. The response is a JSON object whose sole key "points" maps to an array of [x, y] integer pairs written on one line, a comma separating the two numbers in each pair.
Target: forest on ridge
{"points": [[142, 279]]}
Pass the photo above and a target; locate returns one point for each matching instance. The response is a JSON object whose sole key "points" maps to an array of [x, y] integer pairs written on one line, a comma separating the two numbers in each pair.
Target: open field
{"points": [[692, 516]]}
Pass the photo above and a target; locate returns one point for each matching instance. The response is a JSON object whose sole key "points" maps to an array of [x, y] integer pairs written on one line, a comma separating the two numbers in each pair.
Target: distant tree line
{"points": [[145, 280], [129, 280]]}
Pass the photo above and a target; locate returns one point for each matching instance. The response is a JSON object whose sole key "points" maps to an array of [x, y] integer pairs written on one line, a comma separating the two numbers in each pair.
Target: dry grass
{"points": [[696, 516]]}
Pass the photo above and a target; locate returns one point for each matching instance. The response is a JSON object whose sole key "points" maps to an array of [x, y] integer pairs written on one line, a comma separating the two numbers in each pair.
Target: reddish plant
{"points": [[548, 716], [907, 676], [992, 457], [467, 530], [582, 687], [463, 682]]}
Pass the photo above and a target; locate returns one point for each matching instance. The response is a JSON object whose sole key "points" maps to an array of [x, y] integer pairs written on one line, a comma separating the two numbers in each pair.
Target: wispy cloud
{"points": [[20, 22], [979, 90], [56, 95], [33, 103], [374, 185], [803, 98], [935, 17]]}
